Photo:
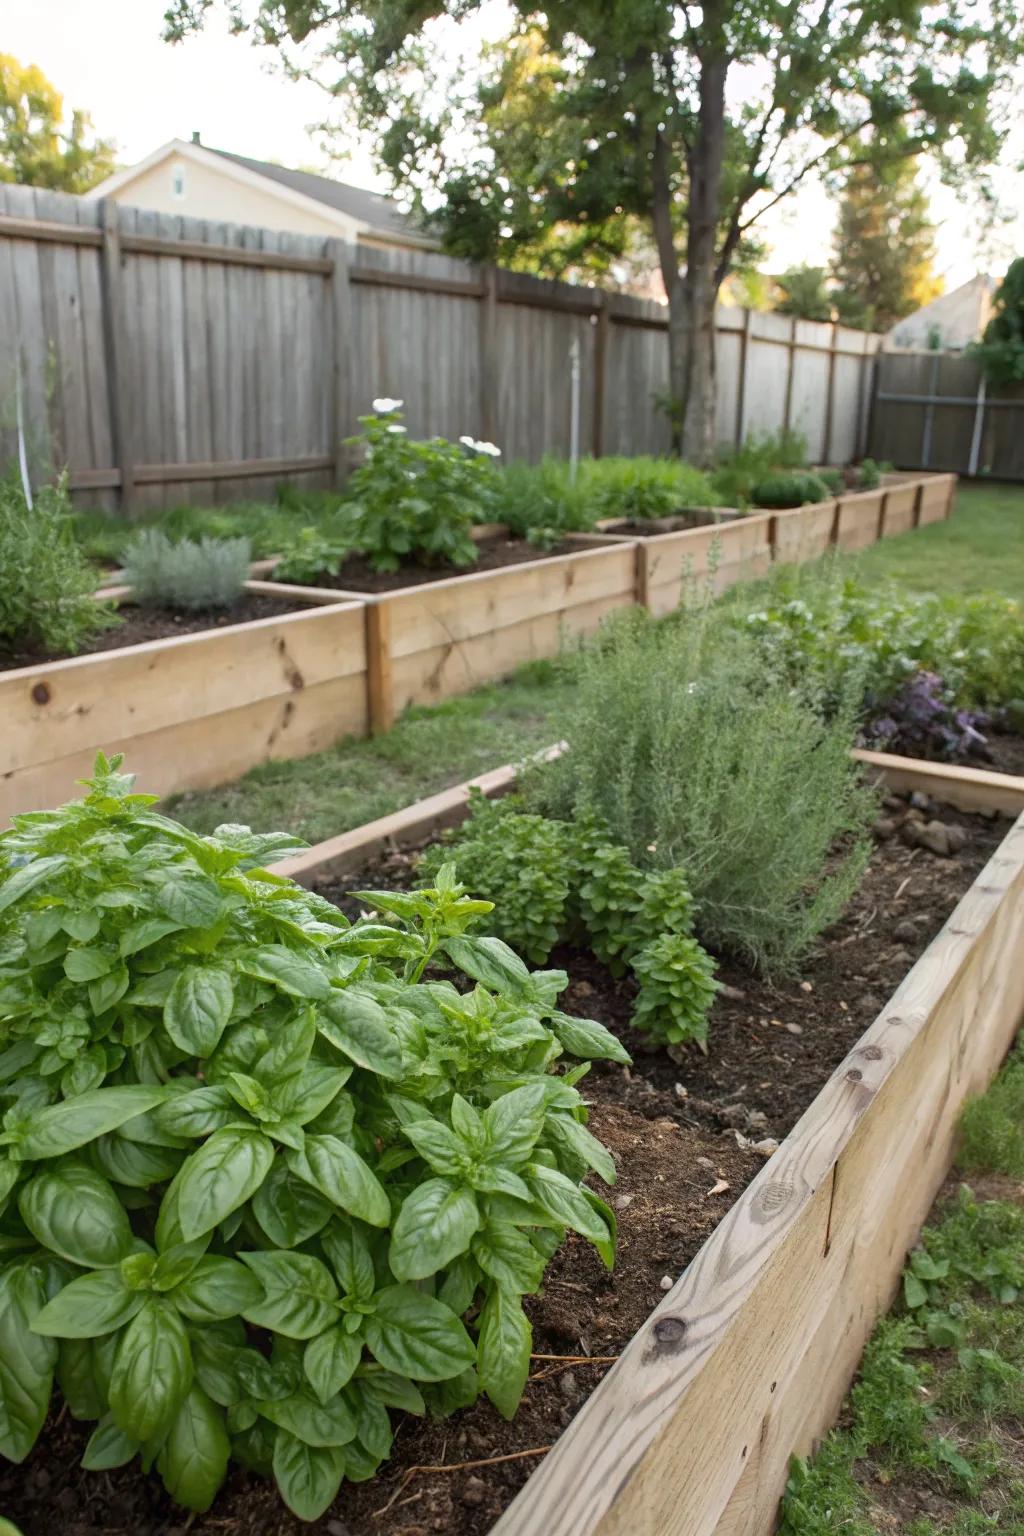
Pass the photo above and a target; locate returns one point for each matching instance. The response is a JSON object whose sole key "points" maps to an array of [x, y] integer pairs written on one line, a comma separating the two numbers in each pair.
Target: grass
{"points": [[981, 548], [428, 750], [929, 1441]]}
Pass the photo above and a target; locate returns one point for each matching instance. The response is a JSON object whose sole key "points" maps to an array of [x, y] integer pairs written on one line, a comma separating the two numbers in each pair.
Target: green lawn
{"points": [[980, 548], [428, 750]]}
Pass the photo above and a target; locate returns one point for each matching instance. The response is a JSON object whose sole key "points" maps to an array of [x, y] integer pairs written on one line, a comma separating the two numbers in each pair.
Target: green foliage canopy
{"points": [[36, 148]]}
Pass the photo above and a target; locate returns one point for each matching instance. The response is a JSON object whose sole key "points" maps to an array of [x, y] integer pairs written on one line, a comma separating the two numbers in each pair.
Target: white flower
{"points": [[396, 428], [478, 447], [384, 407]]}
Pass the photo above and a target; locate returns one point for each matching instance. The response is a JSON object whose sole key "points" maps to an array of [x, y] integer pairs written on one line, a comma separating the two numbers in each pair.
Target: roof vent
{"points": [[195, 136]]}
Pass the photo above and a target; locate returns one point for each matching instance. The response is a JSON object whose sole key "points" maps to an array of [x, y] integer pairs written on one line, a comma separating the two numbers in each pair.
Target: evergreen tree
{"points": [[884, 247]]}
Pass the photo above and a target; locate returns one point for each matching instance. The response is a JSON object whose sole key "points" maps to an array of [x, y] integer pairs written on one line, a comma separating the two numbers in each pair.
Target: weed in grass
{"points": [[993, 1126]]}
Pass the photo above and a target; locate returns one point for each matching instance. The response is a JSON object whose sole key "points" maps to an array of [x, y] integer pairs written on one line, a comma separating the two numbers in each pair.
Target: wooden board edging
{"points": [[746, 1360], [969, 789]]}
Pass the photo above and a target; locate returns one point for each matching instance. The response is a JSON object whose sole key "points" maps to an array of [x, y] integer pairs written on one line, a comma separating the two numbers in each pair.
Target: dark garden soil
{"points": [[1006, 754], [647, 527], [688, 1133], [141, 624], [493, 554]]}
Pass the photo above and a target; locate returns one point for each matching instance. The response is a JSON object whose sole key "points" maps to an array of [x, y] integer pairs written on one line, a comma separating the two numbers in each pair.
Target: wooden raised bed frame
{"points": [[746, 1361], [190, 711]]}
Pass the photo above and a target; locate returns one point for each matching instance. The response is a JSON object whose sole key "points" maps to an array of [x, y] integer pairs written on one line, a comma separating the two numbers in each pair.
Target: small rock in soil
{"points": [[906, 931], [956, 837], [567, 1383], [735, 1114], [704, 1162], [666, 1282], [622, 1202], [767, 1147], [338, 1528], [733, 994], [474, 1491], [894, 803], [883, 829], [919, 801], [933, 835], [757, 1120]]}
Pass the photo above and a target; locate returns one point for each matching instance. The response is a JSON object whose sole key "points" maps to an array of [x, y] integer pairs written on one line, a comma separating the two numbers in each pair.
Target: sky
{"points": [[107, 57]]}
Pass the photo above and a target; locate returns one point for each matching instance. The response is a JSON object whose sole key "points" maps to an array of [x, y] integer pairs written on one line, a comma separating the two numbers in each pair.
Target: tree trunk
{"points": [[702, 281]]}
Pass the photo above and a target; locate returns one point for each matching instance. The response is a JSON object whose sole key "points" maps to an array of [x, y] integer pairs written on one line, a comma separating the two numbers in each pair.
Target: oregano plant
{"points": [[266, 1176]]}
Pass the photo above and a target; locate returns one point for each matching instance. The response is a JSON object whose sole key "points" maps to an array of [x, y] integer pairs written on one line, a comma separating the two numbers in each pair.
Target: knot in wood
{"points": [[669, 1333], [774, 1197], [854, 1075], [872, 1053], [41, 693]]}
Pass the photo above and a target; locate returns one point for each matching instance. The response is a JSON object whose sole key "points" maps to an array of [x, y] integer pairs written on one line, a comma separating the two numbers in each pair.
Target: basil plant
{"points": [[266, 1176]]}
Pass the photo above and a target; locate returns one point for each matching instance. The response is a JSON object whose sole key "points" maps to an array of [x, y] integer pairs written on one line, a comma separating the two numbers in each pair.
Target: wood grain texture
{"points": [[899, 514], [970, 789], [190, 694], [745, 1360], [938, 493], [858, 520], [715, 557], [804, 533]]}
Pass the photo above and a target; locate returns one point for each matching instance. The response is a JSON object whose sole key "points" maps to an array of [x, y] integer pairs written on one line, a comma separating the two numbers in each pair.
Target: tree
{"points": [[885, 245], [804, 294], [695, 117], [35, 146], [1001, 349]]}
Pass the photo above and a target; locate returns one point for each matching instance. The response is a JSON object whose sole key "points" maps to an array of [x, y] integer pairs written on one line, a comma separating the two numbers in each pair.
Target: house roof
{"points": [[370, 207], [377, 214]]}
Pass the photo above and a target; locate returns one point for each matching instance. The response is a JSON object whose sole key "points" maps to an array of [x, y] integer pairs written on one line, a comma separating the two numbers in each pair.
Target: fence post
{"points": [[116, 351], [830, 386], [866, 418], [791, 347], [343, 334], [979, 421], [741, 381], [929, 415], [489, 356], [600, 372]]}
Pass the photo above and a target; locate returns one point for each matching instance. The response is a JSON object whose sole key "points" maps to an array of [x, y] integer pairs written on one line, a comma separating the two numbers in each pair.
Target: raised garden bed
{"points": [[193, 710], [787, 1260], [805, 533]]}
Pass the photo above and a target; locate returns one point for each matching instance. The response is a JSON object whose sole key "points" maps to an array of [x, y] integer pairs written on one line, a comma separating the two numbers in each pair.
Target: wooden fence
{"points": [[168, 359], [933, 410]]}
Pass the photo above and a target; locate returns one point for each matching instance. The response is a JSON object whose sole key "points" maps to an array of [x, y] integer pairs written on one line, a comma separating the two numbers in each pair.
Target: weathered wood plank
{"points": [[691, 1432], [804, 533], [716, 556], [54, 710], [899, 513], [859, 519], [970, 789]]}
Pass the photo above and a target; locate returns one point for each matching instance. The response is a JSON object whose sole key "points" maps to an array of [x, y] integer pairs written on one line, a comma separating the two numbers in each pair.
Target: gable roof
{"points": [[377, 214], [380, 212]]}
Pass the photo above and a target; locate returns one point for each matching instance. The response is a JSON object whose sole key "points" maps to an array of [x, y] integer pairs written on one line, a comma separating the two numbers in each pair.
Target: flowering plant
{"points": [[417, 500]]}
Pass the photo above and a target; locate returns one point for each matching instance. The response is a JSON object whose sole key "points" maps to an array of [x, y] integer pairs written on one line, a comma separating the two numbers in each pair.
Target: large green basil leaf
{"points": [[349, 1252], [330, 1360], [108, 1447], [508, 1257], [373, 1424], [82, 1382], [413, 1335], [198, 1008], [299, 1294], [144, 932], [92, 1305], [307, 1094], [217, 1288], [190, 898], [27, 1360], [343, 1176], [74, 1212], [132, 1163], [358, 1025], [288, 1208], [193, 1460], [514, 1122], [308, 1477], [28, 877], [503, 1355], [223, 1174], [63, 1127], [566, 1133], [436, 1224], [319, 1424], [199, 1112], [489, 961], [152, 1372], [88, 963], [287, 969], [439, 1147], [566, 1202], [588, 1039], [289, 1050]]}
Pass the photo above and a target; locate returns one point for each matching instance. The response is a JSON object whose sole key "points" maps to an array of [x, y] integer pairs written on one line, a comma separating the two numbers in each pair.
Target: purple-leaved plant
{"points": [[922, 721]]}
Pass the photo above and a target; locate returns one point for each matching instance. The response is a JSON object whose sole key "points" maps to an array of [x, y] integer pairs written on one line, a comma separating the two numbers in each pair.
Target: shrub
{"points": [[207, 573], [310, 552], [789, 490], [264, 1182], [557, 882], [267, 525], [1001, 349], [417, 500], [869, 475], [46, 584], [694, 753], [542, 501], [832, 480], [548, 496], [760, 454]]}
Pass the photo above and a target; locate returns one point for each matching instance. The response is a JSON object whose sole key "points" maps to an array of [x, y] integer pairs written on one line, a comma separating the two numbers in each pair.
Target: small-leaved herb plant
{"points": [[557, 881], [417, 501], [266, 1175]]}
